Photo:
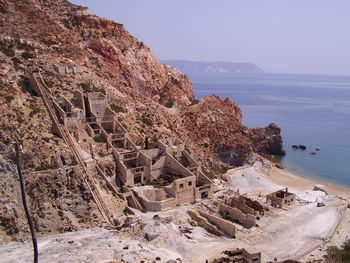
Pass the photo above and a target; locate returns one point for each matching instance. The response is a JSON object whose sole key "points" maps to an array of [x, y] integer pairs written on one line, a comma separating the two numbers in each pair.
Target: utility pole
{"points": [[24, 201]]}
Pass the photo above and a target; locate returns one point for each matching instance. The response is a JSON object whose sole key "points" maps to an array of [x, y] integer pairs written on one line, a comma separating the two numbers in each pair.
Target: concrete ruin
{"points": [[177, 177], [241, 209], [281, 198], [66, 68], [212, 223], [239, 255]]}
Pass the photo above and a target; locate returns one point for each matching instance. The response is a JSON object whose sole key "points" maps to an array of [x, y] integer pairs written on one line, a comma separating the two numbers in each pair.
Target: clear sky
{"points": [[280, 36]]}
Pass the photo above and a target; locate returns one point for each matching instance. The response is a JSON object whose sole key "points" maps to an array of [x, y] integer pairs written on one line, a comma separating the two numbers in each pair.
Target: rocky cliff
{"points": [[152, 100]]}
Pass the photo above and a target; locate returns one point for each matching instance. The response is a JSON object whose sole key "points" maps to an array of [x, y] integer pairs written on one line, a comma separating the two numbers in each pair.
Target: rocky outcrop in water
{"points": [[268, 140]]}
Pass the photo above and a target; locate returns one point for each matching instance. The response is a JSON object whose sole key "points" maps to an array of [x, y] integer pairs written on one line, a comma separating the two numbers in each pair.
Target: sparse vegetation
{"points": [[8, 99], [34, 111], [6, 141], [7, 49], [117, 108], [147, 121], [26, 55], [16, 60], [169, 104], [205, 145], [194, 102], [45, 167], [87, 88], [24, 85], [221, 170], [74, 162], [98, 138], [339, 255]]}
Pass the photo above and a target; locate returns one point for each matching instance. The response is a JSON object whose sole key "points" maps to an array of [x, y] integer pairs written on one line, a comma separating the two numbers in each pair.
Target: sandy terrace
{"points": [[300, 232]]}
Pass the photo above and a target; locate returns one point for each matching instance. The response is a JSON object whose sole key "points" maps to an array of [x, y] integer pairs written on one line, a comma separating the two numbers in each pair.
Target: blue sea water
{"points": [[312, 110]]}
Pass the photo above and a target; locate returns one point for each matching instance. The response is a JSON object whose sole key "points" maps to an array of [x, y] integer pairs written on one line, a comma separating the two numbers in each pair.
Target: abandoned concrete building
{"points": [[239, 255], [177, 177], [66, 68], [241, 209], [281, 198], [212, 223]]}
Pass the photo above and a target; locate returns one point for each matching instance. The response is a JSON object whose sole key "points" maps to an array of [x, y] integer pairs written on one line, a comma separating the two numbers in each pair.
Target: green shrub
{"points": [[60, 213], [23, 84], [98, 138], [26, 55], [339, 255], [221, 170], [34, 111], [16, 60], [7, 49], [74, 162], [6, 141], [67, 24], [169, 104], [117, 108], [45, 167], [147, 121], [210, 175], [87, 88], [194, 102], [206, 145], [9, 98]]}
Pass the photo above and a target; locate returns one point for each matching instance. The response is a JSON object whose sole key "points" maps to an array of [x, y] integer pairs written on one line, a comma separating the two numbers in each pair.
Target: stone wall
{"points": [[235, 214], [236, 202], [203, 222], [228, 227]]}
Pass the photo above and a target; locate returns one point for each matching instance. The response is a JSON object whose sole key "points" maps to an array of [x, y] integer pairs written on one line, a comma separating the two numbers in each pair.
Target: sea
{"points": [[312, 110]]}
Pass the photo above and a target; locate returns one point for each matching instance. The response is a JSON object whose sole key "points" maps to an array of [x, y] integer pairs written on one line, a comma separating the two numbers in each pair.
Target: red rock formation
{"points": [[38, 34]]}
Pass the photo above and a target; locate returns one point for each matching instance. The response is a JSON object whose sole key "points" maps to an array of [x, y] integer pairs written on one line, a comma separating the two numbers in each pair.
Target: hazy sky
{"points": [[289, 36]]}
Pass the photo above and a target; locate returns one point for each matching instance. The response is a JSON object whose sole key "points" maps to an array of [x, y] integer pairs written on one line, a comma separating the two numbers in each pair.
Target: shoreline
{"points": [[303, 182]]}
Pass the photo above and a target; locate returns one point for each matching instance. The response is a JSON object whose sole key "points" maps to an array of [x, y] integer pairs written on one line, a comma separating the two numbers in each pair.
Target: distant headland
{"points": [[186, 66]]}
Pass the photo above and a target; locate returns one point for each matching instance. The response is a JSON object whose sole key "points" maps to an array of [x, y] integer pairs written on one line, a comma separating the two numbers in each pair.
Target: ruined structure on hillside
{"points": [[239, 255], [212, 223], [281, 198], [241, 209], [100, 138], [65, 68]]}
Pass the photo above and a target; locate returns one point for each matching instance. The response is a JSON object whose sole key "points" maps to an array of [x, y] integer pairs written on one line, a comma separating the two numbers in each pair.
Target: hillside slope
{"points": [[152, 100]]}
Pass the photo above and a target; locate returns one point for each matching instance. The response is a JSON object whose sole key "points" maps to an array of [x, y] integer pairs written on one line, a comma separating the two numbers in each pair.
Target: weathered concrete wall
{"points": [[203, 222], [236, 202], [154, 194], [157, 168], [157, 205], [172, 165], [235, 214], [228, 227], [190, 159]]}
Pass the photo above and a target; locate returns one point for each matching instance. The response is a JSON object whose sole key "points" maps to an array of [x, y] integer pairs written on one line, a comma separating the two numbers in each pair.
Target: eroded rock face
{"points": [[268, 140]]}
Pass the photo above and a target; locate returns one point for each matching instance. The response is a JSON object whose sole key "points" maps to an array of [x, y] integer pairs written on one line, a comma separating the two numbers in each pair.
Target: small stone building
{"points": [[242, 210], [66, 68], [281, 198]]}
